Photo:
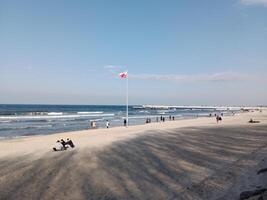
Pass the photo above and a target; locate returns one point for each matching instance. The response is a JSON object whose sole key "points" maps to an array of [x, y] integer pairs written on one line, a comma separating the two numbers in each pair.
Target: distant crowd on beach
{"points": [[218, 117], [93, 124], [148, 120], [160, 119]]}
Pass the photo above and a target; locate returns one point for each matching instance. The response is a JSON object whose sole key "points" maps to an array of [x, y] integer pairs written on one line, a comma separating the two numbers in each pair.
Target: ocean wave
{"points": [[6, 121], [52, 116], [96, 120], [12, 137], [143, 111], [43, 126], [25, 127], [84, 113], [54, 113], [142, 117], [165, 111]]}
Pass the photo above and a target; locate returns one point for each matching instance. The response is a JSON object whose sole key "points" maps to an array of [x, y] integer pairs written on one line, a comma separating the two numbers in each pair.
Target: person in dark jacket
{"points": [[70, 143]]}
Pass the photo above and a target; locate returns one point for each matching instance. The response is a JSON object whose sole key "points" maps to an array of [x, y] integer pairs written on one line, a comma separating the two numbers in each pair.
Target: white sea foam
{"points": [[202, 114], [143, 111], [162, 111], [27, 127], [54, 113], [52, 116], [84, 113], [42, 126], [11, 137], [96, 120], [5, 121], [142, 117]]}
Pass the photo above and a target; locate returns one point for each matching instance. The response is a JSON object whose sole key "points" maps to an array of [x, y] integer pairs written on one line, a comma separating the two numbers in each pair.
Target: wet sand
{"points": [[189, 159]]}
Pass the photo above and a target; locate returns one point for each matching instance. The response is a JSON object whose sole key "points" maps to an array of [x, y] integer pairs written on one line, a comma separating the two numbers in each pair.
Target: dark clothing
{"points": [[70, 143], [63, 143]]}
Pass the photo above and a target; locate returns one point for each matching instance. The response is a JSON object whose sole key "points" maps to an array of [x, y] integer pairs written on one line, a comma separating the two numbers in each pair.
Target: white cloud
{"points": [[224, 76], [254, 2], [113, 67]]}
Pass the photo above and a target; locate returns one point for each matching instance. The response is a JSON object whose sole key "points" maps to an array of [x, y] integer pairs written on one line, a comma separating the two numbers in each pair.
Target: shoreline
{"points": [[41, 120], [111, 127], [101, 128], [177, 118], [118, 133]]}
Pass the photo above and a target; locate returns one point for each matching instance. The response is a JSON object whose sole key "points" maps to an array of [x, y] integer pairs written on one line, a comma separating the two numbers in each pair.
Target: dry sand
{"points": [[187, 159]]}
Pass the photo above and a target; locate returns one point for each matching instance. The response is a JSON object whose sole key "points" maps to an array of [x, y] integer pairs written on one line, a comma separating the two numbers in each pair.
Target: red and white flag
{"points": [[123, 75]]}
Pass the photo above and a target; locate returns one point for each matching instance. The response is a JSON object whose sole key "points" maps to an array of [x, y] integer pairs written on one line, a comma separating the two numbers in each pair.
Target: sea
{"points": [[26, 120]]}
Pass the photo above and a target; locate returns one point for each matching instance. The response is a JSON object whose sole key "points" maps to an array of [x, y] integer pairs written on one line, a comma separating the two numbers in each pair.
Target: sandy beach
{"points": [[133, 100], [185, 159]]}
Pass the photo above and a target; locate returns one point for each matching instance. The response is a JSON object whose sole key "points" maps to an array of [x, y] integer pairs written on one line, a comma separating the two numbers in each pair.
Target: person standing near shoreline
{"points": [[93, 124], [107, 124]]}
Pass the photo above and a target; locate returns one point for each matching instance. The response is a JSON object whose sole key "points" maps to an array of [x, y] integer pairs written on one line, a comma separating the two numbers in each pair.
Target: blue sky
{"points": [[177, 52]]}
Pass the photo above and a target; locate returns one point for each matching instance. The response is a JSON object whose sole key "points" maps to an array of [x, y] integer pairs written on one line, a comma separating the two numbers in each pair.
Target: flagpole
{"points": [[127, 100]]}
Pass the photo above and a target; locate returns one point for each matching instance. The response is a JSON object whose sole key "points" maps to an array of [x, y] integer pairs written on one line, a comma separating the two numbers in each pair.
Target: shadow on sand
{"points": [[186, 163]]}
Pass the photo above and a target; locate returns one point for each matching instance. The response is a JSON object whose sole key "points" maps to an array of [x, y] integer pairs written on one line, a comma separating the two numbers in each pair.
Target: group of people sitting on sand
{"points": [[62, 145]]}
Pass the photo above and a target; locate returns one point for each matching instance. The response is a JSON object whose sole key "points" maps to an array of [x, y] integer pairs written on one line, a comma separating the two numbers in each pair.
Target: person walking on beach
{"points": [[217, 118], [125, 122], [107, 124]]}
